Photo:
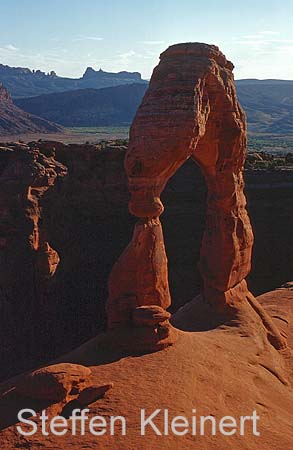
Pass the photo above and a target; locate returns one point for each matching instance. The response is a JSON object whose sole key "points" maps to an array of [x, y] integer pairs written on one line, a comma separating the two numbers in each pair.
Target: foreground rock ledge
{"points": [[224, 370]]}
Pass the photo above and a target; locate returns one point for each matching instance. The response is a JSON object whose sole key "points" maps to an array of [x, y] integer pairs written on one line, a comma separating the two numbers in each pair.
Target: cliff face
{"points": [[270, 206], [27, 261], [14, 120], [83, 217]]}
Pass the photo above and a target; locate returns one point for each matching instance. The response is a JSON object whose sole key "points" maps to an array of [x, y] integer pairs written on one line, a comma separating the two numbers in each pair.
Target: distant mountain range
{"points": [[268, 104], [101, 98], [23, 82], [114, 106], [13, 120]]}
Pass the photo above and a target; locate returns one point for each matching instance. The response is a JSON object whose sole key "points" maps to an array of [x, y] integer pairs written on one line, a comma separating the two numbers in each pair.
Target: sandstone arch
{"points": [[189, 110]]}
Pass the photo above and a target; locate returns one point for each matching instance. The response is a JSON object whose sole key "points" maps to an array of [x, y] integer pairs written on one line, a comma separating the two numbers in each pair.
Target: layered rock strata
{"points": [[189, 111]]}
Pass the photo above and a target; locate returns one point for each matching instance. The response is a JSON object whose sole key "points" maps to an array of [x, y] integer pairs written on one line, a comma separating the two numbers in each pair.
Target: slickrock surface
{"points": [[92, 393], [224, 370]]}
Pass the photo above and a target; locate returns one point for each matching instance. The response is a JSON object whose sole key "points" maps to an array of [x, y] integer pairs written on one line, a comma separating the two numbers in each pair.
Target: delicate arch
{"points": [[189, 110]]}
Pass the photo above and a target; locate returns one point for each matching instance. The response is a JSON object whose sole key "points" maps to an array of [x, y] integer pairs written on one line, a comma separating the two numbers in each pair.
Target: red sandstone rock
{"points": [[211, 377], [141, 272], [189, 111], [142, 339], [149, 316], [230, 370], [54, 382], [79, 219], [28, 261], [140, 329], [89, 222], [14, 120]]}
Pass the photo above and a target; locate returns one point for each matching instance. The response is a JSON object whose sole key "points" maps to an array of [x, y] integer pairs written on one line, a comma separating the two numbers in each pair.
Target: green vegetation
{"points": [[272, 164], [111, 131], [94, 135], [273, 144]]}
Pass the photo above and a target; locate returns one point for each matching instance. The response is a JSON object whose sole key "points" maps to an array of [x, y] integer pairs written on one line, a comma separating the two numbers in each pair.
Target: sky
{"points": [[69, 35]]}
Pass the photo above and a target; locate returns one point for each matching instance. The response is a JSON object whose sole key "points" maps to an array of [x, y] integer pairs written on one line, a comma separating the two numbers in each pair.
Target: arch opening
{"points": [[183, 222]]}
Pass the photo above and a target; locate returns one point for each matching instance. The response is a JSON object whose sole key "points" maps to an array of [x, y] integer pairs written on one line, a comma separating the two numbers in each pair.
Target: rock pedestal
{"points": [[140, 276]]}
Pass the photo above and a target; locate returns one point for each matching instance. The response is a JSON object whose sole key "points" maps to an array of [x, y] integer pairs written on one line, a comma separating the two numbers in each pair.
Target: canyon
{"points": [[85, 220]]}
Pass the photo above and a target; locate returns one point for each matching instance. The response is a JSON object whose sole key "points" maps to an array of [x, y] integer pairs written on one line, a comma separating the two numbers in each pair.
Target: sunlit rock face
{"points": [[189, 111]]}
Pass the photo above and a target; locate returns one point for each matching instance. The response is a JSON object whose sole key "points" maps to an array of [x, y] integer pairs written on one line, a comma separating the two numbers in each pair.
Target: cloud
{"points": [[124, 58], [263, 39], [88, 38], [9, 48], [151, 42], [264, 54], [260, 35], [127, 54], [268, 32], [252, 36], [9, 54], [283, 41]]}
